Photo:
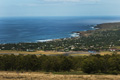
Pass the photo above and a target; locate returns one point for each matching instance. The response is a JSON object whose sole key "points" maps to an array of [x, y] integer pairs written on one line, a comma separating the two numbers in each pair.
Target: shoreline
{"points": [[97, 27], [100, 27], [77, 34]]}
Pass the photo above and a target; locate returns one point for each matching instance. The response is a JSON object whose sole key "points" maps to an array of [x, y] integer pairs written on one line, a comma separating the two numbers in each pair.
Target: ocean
{"points": [[40, 29]]}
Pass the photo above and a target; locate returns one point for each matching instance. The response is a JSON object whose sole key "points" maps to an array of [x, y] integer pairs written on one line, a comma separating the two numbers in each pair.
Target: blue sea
{"points": [[40, 29]]}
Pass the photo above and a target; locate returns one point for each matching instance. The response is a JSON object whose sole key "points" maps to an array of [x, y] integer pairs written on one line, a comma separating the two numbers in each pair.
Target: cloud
{"points": [[71, 0], [32, 4], [59, 2], [62, 0]]}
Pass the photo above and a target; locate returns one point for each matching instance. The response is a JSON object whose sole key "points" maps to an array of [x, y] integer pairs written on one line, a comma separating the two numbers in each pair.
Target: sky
{"points": [[13, 8]]}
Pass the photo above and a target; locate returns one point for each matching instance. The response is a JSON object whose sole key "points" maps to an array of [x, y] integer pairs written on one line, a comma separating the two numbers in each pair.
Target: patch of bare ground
{"points": [[42, 76]]}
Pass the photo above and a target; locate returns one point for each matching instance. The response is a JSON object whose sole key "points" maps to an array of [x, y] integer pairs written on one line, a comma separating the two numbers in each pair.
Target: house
{"points": [[113, 49], [30, 50]]}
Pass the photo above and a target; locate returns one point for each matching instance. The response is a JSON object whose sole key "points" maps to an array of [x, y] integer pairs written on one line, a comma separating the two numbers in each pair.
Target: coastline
{"points": [[74, 34], [77, 34], [100, 27]]}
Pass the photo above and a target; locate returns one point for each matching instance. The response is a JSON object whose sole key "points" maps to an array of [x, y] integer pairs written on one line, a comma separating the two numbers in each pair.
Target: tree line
{"points": [[108, 64]]}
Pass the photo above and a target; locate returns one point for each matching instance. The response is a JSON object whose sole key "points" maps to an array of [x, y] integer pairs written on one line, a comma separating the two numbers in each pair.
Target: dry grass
{"points": [[118, 52], [50, 52], [42, 76], [25, 52], [117, 47], [106, 52], [79, 54], [72, 53]]}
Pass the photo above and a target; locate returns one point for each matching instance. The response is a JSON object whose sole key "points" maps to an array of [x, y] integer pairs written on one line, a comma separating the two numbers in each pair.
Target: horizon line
{"points": [[63, 16]]}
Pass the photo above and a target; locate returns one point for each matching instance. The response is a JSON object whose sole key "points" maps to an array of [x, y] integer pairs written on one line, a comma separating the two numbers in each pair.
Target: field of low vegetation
{"points": [[50, 76], [32, 53]]}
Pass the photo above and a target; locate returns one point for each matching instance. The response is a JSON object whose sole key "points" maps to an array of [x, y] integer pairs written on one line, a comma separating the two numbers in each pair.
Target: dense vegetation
{"points": [[98, 40], [88, 64]]}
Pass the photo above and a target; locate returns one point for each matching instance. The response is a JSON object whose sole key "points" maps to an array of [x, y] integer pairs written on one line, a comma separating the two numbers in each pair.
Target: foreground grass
{"points": [[50, 76], [70, 73]]}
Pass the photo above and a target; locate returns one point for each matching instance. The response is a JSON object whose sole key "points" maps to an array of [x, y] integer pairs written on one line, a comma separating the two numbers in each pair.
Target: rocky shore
{"points": [[100, 27]]}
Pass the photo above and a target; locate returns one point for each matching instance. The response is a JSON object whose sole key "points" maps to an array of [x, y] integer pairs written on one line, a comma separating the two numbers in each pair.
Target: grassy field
{"points": [[25, 52], [107, 52], [79, 54], [50, 76], [71, 53]]}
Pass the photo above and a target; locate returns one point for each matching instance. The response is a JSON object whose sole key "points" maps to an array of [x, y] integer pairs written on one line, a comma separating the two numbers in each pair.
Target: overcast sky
{"points": [[59, 8]]}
